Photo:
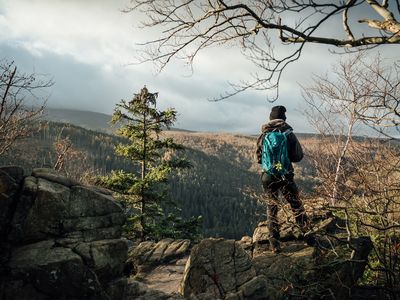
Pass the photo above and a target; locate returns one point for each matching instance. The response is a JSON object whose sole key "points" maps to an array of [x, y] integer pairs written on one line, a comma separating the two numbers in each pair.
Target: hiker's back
{"points": [[277, 148], [275, 158]]}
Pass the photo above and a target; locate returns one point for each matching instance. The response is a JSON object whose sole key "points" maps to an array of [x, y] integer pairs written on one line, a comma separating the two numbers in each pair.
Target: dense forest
{"points": [[223, 185]]}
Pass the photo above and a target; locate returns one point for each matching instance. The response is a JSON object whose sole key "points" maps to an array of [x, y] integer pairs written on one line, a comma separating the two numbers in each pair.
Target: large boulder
{"points": [[53, 270], [319, 263], [61, 240], [219, 269], [311, 273], [10, 181], [71, 214]]}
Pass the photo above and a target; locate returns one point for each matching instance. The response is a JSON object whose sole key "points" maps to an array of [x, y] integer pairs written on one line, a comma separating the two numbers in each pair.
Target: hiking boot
{"points": [[275, 245], [276, 250], [309, 238]]}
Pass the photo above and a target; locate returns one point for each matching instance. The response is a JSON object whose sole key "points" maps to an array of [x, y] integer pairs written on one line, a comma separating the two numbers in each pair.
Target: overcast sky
{"points": [[88, 47]]}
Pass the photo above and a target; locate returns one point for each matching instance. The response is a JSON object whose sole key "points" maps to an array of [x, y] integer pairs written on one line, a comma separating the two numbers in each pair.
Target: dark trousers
{"points": [[287, 187]]}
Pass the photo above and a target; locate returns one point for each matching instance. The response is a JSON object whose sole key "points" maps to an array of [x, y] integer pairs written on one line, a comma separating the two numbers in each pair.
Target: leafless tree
{"points": [[381, 110], [18, 107], [360, 175], [359, 92], [187, 27], [70, 160], [62, 148]]}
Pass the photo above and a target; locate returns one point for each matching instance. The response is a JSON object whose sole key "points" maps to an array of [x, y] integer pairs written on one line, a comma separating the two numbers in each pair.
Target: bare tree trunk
{"points": [[14, 114], [334, 196], [364, 175], [9, 84], [143, 175]]}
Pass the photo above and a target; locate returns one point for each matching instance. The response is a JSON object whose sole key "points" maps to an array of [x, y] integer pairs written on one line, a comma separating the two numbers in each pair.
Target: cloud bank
{"points": [[89, 46]]}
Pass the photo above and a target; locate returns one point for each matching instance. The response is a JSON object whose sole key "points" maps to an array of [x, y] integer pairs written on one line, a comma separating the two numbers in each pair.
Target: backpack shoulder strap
{"points": [[288, 131]]}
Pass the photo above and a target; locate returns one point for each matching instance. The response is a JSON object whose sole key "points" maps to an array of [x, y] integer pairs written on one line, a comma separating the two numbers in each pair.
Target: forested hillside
{"points": [[221, 186], [86, 119]]}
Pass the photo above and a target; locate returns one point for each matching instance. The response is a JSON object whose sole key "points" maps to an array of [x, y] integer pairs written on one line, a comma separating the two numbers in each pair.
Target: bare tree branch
{"points": [[362, 173], [187, 27], [17, 107]]}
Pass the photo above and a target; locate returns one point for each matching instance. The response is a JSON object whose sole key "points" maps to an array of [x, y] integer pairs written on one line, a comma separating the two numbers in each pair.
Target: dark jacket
{"points": [[294, 148]]}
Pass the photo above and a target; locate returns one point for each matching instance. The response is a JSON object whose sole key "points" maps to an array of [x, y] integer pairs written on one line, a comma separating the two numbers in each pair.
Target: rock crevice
{"points": [[60, 239]]}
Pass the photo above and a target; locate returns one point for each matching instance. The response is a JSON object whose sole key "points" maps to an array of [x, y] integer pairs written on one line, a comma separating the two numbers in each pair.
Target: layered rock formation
{"points": [[221, 269], [60, 239], [320, 264]]}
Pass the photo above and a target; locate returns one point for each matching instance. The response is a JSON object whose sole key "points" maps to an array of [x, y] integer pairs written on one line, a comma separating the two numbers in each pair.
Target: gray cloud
{"points": [[87, 47]]}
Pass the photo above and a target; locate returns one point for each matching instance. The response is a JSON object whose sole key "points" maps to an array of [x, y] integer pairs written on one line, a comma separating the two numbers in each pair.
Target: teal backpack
{"points": [[275, 159]]}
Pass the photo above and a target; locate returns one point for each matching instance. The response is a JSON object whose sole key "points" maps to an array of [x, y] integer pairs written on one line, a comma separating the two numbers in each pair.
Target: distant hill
{"points": [[222, 186], [101, 122], [86, 119]]}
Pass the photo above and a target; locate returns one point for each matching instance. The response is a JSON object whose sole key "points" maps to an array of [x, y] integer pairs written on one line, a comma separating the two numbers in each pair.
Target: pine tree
{"points": [[143, 188]]}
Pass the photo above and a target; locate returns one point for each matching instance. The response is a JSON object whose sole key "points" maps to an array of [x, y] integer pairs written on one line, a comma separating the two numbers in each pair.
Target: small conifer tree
{"points": [[142, 188]]}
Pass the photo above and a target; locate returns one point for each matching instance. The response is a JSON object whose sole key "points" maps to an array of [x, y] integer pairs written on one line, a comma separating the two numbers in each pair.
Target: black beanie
{"points": [[278, 112]]}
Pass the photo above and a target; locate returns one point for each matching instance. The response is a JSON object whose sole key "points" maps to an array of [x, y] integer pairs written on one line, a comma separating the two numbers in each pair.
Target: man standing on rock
{"points": [[277, 148]]}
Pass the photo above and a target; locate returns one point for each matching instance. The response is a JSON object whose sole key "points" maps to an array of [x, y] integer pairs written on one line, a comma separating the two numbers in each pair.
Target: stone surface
{"points": [[106, 257], [52, 209], [54, 270], [323, 266], [53, 176], [20, 290], [46, 215], [148, 253], [140, 291], [216, 267], [96, 204], [117, 289], [15, 172], [159, 265], [10, 179], [254, 289], [260, 235], [63, 240], [165, 278], [23, 206], [8, 190], [317, 271], [247, 244], [100, 189], [313, 262]]}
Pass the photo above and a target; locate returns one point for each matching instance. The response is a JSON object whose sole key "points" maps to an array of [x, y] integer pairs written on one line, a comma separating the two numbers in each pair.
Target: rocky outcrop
{"points": [[219, 269], [300, 271], [320, 263], [60, 239]]}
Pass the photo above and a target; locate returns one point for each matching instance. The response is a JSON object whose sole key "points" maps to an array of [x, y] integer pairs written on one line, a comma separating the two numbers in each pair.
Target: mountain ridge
{"points": [[102, 122], [86, 119]]}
